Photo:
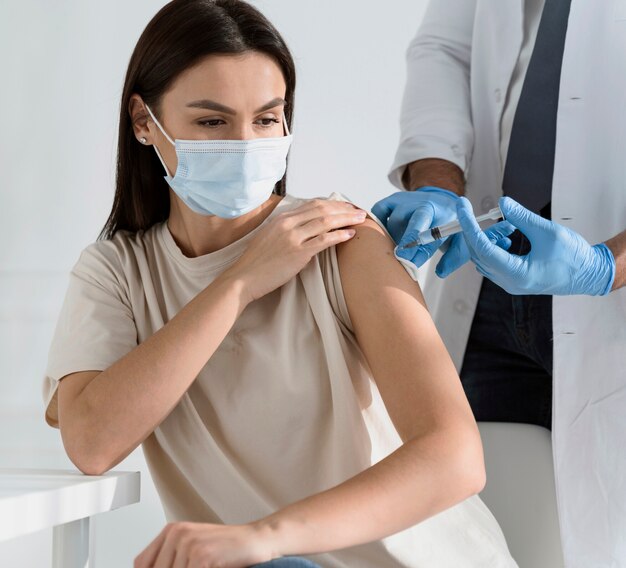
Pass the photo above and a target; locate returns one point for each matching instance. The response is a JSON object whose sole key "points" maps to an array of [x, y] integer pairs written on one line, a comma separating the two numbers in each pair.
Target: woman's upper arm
{"points": [[95, 328], [414, 373]]}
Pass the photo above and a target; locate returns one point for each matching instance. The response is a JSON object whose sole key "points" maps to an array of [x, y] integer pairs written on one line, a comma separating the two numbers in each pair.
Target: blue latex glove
{"points": [[407, 213], [457, 254], [560, 262]]}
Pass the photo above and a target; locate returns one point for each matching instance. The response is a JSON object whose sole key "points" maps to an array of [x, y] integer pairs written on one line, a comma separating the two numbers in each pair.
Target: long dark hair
{"points": [[179, 36]]}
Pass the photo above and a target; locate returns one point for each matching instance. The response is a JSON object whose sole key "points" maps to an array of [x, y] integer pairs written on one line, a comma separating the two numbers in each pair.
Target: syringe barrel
{"points": [[453, 227], [426, 236]]}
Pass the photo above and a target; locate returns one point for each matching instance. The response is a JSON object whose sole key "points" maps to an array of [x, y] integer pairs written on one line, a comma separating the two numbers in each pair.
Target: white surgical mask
{"points": [[227, 178]]}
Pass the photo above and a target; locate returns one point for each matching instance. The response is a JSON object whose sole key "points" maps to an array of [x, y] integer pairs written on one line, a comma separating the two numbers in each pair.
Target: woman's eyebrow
{"points": [[273, 103], [212, 105]]}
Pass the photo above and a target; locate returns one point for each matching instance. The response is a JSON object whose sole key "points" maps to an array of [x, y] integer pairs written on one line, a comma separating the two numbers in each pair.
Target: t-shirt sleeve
{"points": [[334, 290], [95, 328], [332, 278]]}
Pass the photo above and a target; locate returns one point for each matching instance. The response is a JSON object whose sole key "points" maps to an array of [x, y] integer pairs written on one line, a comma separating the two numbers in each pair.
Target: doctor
{"points": [[527, 98]]}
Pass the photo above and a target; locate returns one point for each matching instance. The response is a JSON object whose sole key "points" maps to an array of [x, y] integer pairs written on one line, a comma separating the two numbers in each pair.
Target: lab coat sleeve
{"points": [[435, 120]]}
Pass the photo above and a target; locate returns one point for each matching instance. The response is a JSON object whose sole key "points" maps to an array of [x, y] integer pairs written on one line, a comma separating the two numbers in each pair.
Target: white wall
{"points": [[62, 66]]}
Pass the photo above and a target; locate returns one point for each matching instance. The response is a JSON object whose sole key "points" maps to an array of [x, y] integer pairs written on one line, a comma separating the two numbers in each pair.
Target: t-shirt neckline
{"points": [[219, 258]]}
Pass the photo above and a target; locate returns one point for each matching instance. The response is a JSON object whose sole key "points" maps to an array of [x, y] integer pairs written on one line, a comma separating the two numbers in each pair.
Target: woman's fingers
{"points": [[318, 217], [167, 553], [147, 558], [181, 560], [327, 240], [318, 208], [329, 222]]}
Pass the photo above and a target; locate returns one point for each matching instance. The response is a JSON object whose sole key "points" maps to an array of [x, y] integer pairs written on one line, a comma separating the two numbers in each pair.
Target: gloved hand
{"points": [[457, 254], [560, 262], [407, 213]]}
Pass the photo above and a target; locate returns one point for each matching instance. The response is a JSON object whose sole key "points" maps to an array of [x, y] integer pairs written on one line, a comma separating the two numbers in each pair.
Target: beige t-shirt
{"points": [[285, 408]]}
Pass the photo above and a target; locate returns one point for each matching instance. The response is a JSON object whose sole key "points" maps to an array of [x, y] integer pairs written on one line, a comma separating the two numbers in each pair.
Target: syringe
{"points": [[431, 235]]}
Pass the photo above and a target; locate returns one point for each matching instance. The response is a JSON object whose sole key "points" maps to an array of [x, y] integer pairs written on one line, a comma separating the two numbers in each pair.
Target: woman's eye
{"points": [[212, 123], [267, 122]]}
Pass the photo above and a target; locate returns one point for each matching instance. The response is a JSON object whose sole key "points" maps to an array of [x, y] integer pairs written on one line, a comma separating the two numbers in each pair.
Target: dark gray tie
{"points": [[530, 159]]}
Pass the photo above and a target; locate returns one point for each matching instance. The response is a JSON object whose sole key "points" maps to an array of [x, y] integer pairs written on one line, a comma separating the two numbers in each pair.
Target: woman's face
{"points": [[224, 97]]}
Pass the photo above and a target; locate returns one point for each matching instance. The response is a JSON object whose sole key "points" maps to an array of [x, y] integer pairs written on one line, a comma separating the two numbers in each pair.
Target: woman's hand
{"points": [[204, 545], [284, 247]]}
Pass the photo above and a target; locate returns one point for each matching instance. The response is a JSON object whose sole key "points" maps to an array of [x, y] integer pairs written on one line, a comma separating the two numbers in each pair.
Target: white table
{"points": [[37, 499]]}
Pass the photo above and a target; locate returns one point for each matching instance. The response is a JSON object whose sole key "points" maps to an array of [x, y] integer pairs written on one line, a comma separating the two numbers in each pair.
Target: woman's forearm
{"points": [[420, 479], [126, 402]]}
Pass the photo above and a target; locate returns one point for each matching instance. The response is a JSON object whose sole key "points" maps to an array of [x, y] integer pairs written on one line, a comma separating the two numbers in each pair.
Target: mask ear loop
{"points": [[167, 172], [285, 123]]}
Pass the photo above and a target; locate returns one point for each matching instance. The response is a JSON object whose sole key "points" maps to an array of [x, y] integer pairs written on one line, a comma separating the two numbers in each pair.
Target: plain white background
{"points": [[62, 66]]}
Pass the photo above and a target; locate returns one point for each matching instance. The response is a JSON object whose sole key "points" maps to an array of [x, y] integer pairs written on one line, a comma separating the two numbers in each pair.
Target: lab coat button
{"points": [[487, 203], [456, 150], [460, 306], [498, 94]]}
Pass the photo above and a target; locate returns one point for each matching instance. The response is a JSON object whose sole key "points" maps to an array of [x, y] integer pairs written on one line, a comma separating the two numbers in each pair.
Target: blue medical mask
{"points": [[227, 178]]}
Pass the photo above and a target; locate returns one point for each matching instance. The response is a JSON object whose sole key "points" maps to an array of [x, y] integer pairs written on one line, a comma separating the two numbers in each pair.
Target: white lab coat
{"points": [[451, 114]]}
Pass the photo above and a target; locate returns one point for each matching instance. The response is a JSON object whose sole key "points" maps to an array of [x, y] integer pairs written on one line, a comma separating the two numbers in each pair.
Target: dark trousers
{"points": [[507, 369]]}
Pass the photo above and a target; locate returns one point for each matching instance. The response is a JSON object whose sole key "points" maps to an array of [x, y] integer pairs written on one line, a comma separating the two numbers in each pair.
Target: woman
{"points": [[244, 336]]}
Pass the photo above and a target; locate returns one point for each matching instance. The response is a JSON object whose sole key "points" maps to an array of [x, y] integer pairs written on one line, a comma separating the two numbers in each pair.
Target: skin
{"points": [[434, 172], [104, 415], [447, 175], [617, 245]]}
